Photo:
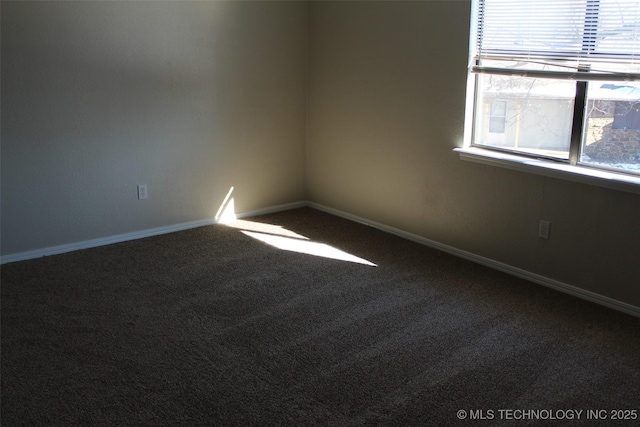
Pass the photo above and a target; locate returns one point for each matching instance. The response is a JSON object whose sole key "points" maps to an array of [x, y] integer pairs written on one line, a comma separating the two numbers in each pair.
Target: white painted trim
{"points": [[86, 244], [582, 174], [514, 271], [54, 250], [273, 209]]}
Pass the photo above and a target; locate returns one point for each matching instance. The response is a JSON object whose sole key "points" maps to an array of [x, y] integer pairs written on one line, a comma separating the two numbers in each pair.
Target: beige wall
{"points": [[190, 98], [193, 98], [386, 95]]}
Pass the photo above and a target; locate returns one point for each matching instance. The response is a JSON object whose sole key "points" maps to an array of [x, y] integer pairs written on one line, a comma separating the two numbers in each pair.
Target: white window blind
{"points": [[588, 39]]}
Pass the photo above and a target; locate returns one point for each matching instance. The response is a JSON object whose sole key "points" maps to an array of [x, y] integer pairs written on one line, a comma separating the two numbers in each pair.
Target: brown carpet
{"points": [[212, 326]]}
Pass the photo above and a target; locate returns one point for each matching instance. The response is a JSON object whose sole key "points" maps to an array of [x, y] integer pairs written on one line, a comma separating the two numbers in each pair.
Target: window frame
{"points": [[572, 165]]}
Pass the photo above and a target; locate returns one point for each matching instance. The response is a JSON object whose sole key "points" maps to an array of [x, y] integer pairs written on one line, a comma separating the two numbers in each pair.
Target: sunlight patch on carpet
{"points": [[306, 247], [278, 236], [261, 227]]}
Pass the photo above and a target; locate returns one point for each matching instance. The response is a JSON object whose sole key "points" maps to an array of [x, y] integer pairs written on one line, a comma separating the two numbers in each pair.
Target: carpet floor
{"points": [[232, 325]]}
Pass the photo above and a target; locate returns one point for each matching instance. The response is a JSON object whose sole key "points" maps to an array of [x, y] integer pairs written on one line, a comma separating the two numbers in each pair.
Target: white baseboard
{"points": [[518, 272], [273, 209], [54, 250], [514, 271]]}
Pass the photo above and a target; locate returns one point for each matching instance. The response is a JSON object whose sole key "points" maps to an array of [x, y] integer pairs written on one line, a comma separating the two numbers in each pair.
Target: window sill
{"points": [[581, 174]]}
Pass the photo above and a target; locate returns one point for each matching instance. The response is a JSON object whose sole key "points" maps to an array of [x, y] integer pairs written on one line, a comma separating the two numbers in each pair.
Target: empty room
{"points": [[320, 212]]}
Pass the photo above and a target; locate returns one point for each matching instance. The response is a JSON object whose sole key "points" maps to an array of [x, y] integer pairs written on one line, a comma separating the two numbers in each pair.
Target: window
{"points": [[626, 116], [558, 80], [498, 119]]}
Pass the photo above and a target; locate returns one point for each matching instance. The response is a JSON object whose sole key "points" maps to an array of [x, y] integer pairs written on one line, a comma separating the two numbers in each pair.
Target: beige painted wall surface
{"points": [[386, 107], [190, 98], [193, 98]]}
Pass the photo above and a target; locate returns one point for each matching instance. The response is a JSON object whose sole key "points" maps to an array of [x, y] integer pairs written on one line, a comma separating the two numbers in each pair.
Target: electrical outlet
{"points": [[544, 229], [142, 191]]}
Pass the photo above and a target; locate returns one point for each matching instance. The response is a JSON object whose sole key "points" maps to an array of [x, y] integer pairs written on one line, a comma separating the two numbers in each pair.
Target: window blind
{"points": [[578, 39]]}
